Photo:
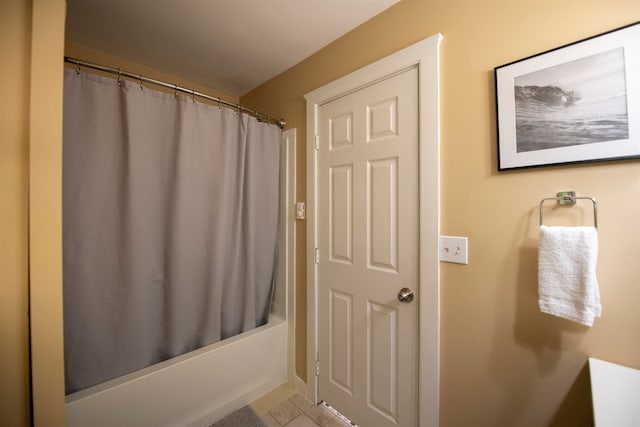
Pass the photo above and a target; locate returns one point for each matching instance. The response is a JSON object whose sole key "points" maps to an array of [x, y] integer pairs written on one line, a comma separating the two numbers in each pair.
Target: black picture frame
{"points": [[572, 104]]}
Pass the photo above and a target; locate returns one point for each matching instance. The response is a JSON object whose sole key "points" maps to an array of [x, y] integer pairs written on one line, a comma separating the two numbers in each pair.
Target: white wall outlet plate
{"points": [[454, 249]]}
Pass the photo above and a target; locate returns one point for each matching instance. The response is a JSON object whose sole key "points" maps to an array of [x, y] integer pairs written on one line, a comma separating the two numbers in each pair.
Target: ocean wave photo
{"points": [[578, 102], [559, 119]]}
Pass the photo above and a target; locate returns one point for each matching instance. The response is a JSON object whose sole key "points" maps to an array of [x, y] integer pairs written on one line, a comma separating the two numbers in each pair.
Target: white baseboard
{"points": [[299, 385]]}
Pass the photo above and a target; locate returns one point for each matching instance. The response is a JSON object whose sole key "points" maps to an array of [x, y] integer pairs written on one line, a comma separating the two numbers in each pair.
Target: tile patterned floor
{"points": [[284, 406]]}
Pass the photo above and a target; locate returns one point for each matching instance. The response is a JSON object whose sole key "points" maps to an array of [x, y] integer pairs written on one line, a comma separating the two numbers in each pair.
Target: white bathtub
{"points": [[191, 390]]}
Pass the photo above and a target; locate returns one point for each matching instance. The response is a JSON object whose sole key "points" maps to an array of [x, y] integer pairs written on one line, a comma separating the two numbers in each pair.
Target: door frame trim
{"points": [[289, 139], [425, 56]]}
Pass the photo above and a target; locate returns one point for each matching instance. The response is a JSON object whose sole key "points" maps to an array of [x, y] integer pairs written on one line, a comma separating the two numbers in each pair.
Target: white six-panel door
{"points": [[368, 240]]}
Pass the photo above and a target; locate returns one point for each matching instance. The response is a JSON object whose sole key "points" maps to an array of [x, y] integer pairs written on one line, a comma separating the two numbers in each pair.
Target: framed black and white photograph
{"points": [[576, 103]]}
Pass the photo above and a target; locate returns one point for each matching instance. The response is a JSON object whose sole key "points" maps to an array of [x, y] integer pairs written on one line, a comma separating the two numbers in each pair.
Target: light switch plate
{"points": [[300, 210], [454, 249]]}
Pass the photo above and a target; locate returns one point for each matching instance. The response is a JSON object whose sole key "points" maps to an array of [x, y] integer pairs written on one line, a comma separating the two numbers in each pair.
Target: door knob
{"points": [[405, 295]]}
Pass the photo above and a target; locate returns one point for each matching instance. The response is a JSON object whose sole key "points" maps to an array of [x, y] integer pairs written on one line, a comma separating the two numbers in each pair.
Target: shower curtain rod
{"points": [[142, 79]]}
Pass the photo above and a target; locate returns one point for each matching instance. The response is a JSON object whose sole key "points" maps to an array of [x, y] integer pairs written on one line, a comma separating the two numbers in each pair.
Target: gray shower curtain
{"points": [[170, 217]]}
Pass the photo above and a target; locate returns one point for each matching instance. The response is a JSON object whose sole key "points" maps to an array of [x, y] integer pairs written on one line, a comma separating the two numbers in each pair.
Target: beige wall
{"points": [[15, 39], [30, 257], [502, 361], [45, 212], [30, 182]]}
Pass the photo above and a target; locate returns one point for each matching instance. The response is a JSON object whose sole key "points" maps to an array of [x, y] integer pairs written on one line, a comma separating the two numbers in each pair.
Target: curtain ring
{"points": [[175, 90], [141, 88], [193, 96], [77, 67], [119, 77], [219, 105]]}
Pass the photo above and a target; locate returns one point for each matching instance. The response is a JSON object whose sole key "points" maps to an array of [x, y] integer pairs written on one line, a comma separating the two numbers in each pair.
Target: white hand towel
{"points": [[567, 283]]}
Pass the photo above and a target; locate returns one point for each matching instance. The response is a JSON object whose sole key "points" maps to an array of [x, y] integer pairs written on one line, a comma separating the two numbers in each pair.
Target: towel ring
{"points": [[569, 198]]}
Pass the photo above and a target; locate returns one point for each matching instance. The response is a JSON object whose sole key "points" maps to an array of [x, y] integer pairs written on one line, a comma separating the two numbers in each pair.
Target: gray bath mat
{"points": [[243, 417]]}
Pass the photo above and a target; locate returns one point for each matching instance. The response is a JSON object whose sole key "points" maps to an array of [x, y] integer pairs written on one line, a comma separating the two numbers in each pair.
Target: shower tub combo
{"points": [[202, 386], [197, 388]]}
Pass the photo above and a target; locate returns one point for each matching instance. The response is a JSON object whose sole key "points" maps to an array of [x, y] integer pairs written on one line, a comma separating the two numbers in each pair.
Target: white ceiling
{"points": [[229, 45]]}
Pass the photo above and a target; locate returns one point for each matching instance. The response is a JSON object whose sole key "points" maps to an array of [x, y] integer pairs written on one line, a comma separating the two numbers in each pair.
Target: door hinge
{"points": [[316, 143], [317, 368], [316, 256]]}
